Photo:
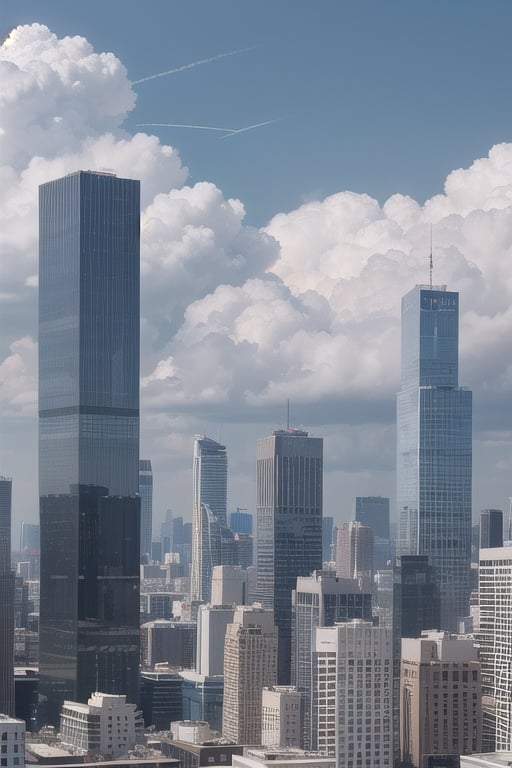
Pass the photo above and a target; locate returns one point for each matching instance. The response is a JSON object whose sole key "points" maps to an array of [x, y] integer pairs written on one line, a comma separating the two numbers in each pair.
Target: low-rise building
{"points": [[12, 741]]}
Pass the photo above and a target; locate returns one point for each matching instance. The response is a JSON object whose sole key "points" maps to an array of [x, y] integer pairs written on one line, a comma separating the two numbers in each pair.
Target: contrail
{"points": [[226, 131], [191, 66]]}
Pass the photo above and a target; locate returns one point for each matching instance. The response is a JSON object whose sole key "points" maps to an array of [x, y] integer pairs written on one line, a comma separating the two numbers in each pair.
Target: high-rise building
{"points": [[416, 600], [212, 621], [373, 511], [229, 585], [89, 437], [440, 697], [250, 664], [352, 694], [168, 642], [29, 537], [210, 476], [7, 591], [327, 526], [289, 467], [434, 419], [494, 637], [491, 528], [320, 600], [354, 553], [240, 521], [146, 507], [281, 717]]}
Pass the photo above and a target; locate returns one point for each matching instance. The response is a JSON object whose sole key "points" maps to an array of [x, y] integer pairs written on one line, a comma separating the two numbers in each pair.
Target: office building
{"points": [[281, 724], [434, 448], [146, 507], [494, 638], [209, 475], [416, 599], [327, 528], [440, 697], [203, 696], [168, 642], [373, 511], [289, 467], [244, 550], [383, 597], [229, 585], [106, 725], [250, 664], [320, 600], [7, 599], [89, 437], [29, 537], [281, 758], [212, 621], [352, 694], [241, 521], [491, 528], [354, 553], [12, 739], [161, 697]]}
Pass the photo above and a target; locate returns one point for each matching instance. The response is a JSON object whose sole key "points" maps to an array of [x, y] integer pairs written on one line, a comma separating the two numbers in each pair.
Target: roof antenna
{"points": [[288, 415], [431, 262]]}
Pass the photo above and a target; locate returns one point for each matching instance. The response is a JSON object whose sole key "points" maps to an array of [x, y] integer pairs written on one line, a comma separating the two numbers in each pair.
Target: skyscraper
{"points": [[7, 580], [89, 437], [491, 528], [434, 446], [210, 478], [250, 664], [146, 506], [354, 553], [289, 524]]}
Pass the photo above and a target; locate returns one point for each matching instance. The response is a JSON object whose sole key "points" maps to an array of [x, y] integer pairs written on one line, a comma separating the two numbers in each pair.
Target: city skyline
{"points": [[306, 308]]}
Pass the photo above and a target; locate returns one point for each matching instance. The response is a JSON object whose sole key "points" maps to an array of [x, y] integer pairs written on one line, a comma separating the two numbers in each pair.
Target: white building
{"points": [[352, 694], [250, 664], [494, 638], [281, 717], [12, 741], [191, 731], [106, 725], [229, 585], [211, 634], [282, 758]]}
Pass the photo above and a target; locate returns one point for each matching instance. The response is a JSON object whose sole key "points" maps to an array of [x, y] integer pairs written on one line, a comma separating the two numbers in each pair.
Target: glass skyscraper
{"points": [[434, 452], [146, 506], [210, 480], [7, 588], [89, 229], [289, 471]]}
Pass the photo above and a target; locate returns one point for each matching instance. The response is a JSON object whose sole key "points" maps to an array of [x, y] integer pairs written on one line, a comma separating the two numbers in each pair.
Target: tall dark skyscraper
{"points": [[6, 602], [289, 467], [434, 446], [89, 438], [491, 528], [146, 506]]}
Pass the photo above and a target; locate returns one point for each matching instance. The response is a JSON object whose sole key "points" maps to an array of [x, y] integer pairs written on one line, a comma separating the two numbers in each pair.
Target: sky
{"points": [[273, 259]]}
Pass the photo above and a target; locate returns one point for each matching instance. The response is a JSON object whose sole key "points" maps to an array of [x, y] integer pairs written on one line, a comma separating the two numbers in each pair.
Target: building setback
{"points": [[89, 262]]}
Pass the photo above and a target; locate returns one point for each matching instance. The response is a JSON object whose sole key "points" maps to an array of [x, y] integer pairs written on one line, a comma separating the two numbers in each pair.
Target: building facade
{"points": [[281, 722], [250, 664], [352, 694], [320, 600], [355, 553], [209, 478], [89, 261], [146, 507], [289, 467], [440, 697], [12, 740], [434, 449], [491, 528], [494, 637], [7, 597]]}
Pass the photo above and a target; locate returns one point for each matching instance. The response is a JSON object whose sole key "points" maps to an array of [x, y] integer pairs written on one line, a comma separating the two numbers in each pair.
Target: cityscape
{"points": [[276, 616]]}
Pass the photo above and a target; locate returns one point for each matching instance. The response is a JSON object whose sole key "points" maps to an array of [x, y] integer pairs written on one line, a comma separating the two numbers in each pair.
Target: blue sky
{"points": [[301, 298], [374, 97]]}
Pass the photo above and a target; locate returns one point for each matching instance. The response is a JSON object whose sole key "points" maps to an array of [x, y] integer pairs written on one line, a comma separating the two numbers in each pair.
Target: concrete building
{"points": [[12, 740], [440, 697], [281, 722], [289, 472], [354, 553], [106, 725], [494, 638], [250, 664], [282, 758], [7, 600], [352, 694], [229, 585], [212, 621], [320, 600]]}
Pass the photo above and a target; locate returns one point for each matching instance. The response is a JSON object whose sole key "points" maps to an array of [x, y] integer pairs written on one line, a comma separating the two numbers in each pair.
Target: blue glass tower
{"points": [[89, 438], [434, 451]]}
